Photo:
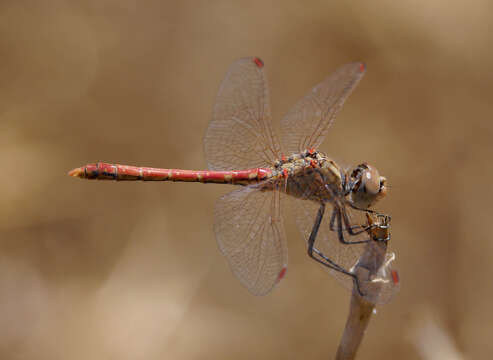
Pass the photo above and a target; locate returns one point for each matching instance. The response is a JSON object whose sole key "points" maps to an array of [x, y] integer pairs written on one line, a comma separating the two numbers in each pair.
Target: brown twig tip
{"points": [[360, 310]]}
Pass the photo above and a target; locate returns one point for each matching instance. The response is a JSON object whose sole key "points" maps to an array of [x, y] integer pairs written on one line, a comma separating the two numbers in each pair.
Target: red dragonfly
{"points": [[241, 149]]}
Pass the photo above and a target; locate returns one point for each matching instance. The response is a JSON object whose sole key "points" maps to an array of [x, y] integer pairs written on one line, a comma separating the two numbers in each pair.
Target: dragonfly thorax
{"points": [[306, 174], [312, 175]]}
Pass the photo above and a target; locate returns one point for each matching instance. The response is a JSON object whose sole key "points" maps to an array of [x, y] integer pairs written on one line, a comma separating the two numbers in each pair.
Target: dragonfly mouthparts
{"points": [[77, 172]]}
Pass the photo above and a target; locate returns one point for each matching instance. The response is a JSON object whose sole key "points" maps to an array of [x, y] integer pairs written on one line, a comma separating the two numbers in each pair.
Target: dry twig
{"points": [[360, 310]]}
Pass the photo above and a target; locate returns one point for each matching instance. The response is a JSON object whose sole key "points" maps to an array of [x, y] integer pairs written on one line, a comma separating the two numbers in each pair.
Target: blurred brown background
{"points": [[93, 270]]}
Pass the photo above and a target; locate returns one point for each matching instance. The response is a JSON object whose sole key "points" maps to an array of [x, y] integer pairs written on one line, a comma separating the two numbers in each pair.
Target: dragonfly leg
{"points": [[330, 264], [376, 213], [324, 259], [340, 230], [383, 224], [349, 228], [338, 209]]}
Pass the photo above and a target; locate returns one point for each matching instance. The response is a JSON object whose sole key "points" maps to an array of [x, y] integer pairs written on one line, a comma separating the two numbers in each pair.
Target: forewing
{"points": [[377, 282], [305, 126], [250, 234], [239, 135]]}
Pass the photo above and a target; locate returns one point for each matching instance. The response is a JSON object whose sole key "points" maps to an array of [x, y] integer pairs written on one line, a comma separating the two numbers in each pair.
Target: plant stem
{"points": [[359, 316], [360, 310]]}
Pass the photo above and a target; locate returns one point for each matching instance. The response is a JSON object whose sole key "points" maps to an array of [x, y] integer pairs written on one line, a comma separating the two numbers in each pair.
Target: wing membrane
{"points": [[376, 282], [250, 234], [239, 135], [306, 124]]}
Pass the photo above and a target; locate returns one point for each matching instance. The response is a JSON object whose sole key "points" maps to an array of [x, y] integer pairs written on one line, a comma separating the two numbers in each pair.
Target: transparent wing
{"points": [[377, 282], [239, 135], [250, 234], [327, 241], [305, 126]]}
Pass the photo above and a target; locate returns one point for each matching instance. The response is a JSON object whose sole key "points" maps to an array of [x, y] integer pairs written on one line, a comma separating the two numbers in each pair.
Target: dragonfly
{"points": [[331, 203]]}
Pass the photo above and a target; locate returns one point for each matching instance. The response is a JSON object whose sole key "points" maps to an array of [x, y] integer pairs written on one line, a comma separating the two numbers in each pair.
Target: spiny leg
{"points": [[328, 263], [385, 224], [348, 229], [340, 230]]}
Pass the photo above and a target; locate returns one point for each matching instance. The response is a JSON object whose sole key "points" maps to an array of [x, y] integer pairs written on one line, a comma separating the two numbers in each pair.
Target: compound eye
{"points": [[371, 181]]}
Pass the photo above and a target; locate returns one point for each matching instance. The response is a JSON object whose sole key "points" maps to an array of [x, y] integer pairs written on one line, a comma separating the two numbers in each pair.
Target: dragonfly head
{"points": [[368, 186]]}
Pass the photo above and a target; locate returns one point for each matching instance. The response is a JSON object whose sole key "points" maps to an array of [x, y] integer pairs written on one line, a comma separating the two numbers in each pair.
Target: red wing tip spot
{"points": [[395, 277], [282, 273], [362, 67], [258, 62]]}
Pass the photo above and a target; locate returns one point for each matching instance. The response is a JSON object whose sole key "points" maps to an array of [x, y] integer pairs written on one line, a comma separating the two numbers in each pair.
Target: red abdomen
{"points": [[104, 171]]}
